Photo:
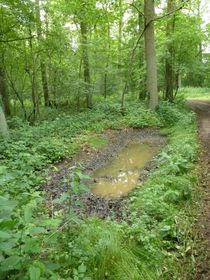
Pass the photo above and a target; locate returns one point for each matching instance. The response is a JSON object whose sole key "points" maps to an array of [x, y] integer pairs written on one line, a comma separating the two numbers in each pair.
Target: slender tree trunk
{"points": [[45, 84], [3, 124], [150, 53], [107, 61], [169, 78], [79, 86], [142, 86], [86, 66], [169, 71], [34, 96], [18, 95], [4, 92], [120, 34], [200, 75], [42, 60]]}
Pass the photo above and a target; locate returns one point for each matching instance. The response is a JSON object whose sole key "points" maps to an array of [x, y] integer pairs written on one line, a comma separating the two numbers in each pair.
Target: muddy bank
{"points": [[90, 159], [202, 110]]}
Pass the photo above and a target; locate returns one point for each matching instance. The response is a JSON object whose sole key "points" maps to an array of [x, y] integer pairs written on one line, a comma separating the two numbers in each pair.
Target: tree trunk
{"points": [[169, 79], [32, 74], [120, 34], [200, 75], [42, 60], [18, 95], [169, 71], [108, 46], [4, 92], [142, 85], [150, 53], [3, 124], [86, 66], [45, 84]]}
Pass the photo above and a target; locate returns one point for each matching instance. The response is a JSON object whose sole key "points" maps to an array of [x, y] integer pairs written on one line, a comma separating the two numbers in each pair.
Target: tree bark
{"points": [[200, 75], [150, 53], [3, 124], [142, 86], [4, 92], [86, 66], [33, 79], [108, 47], [120, 35], [43, 67], [169, 71]]}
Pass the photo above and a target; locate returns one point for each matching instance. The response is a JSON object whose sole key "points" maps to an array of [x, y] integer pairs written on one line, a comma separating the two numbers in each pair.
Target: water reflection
{"points": [[121, 175]]}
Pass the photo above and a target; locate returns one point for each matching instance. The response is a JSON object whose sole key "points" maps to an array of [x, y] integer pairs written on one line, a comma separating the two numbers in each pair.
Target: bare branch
{"points": [[168, 14], [140, 12]]}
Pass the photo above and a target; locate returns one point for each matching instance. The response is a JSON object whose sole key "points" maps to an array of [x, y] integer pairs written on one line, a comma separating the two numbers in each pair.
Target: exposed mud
{"points": [[89, 160], [202, 109]]}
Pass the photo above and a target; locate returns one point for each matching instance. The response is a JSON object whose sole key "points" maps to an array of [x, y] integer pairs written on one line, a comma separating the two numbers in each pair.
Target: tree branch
{"points": [[140, 12], [137, 43], [8, 30], [168, 14], [16, 39], [145, 27]]}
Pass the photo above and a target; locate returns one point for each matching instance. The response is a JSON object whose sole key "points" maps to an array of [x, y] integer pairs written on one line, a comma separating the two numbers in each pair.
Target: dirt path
{"points": [[202, 109]]}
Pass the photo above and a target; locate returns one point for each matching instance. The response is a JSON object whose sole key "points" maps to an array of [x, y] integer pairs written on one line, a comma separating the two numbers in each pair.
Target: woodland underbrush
{"points": [[155, 242]]}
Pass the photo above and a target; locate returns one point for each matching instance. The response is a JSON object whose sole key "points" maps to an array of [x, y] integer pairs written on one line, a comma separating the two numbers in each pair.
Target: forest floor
{"points": [[202, 110], [89, 159]]}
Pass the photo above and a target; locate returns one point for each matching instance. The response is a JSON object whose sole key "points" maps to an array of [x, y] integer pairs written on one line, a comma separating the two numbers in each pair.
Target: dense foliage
{"points": [[36, 246], [69, 70], [71, 53]]}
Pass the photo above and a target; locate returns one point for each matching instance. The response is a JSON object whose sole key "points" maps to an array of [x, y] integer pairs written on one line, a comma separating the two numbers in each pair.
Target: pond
{"points": [[121, 175]]}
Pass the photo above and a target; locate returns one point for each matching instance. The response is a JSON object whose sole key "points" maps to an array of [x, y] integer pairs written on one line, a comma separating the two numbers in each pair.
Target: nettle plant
{"points": [[28, 236], [75, 187]]}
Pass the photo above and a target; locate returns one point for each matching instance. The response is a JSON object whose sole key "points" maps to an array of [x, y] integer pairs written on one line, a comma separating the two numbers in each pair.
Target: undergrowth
{"points": [[195, 93], [151, 245], [164, 208]]}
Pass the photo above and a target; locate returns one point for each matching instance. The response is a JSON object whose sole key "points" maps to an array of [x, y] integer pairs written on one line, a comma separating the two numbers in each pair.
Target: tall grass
{"points": [[193, 93]]}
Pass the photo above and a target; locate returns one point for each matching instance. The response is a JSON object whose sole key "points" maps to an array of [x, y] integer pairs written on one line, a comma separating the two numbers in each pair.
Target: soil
{"points": [[89, 159], [202, 110]]}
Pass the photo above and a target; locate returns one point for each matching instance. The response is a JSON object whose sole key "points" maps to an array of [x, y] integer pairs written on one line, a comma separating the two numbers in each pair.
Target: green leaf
{"points": [[7, 247], [3, 169], [34, 273], [10, 263], [9, 224], [32, 245], [82, 268], [7, 203], [62, 198], [28, 213], [4, 235], [52, 266], [37, 230]]}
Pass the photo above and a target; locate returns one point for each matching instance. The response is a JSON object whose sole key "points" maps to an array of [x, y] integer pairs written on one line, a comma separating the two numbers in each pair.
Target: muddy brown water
{"points": [[121, 175], [94, 160]]}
